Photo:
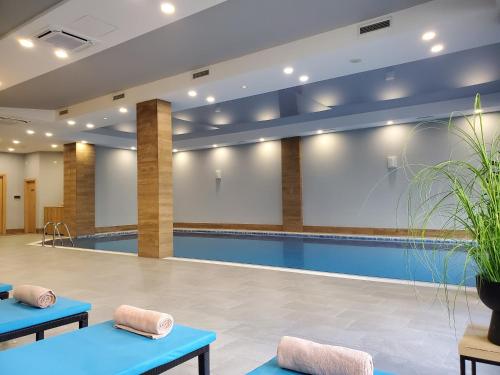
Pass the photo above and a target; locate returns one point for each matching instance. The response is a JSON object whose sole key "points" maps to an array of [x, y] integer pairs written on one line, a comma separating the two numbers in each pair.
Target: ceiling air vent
{"points": [[63, 112], [63, 39], [119, 96], [374, 26], [202, 73], [12, 120]]}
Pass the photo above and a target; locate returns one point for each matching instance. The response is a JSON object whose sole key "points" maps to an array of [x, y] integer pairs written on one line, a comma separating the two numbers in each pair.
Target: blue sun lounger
{"points": [[4, 290], [18, 319], [272, 368], [103, 349]]}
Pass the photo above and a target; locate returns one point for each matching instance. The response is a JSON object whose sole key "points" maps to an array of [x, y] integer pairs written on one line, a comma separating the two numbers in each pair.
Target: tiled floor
{"points": [[405, 328]]}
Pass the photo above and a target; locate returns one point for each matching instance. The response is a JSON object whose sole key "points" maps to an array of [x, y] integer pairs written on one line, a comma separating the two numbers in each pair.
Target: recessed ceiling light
{"points": [[90, 126], [437, 48], [84, 142], [214, 146], [390, 122], [123, 110], [429, 35], [288, 70], [71, 122], [319, 131], [104, 118], [60, 53], [390, 76], [10, 149], [49, 134], [16, 142], [243, 86], [210, 99], [30, 132], [261, 139], [26, 43], [133, 148], [304, 78], [175, 150], [167, 8], [192, 93], [53, 146]]}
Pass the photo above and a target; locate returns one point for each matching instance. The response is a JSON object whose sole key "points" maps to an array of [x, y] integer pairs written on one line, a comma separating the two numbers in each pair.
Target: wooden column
{"points": [[79, 188], [291, 184], [154, 179]]}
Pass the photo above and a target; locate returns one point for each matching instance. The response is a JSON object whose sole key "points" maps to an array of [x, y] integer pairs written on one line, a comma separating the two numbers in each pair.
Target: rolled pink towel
{"points": [[152, 324], [36, 296], [311, 358]]}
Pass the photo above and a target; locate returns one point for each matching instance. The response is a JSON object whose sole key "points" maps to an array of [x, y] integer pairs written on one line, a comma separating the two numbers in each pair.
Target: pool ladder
{"points": [[55, 231]]}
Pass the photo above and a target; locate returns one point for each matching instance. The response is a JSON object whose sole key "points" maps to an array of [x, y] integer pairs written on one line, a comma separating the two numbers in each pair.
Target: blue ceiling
{"points": [[444, 77]]}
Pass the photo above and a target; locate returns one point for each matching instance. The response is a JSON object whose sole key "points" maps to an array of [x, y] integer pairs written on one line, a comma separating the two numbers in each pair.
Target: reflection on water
{"points": [[376, 259]]}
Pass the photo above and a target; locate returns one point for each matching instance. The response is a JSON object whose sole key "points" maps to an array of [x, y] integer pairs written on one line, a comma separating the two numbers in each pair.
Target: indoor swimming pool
{"points": [[384, 259]]}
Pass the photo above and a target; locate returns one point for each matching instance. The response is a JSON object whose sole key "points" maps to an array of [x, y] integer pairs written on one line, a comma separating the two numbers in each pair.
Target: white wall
{"points": [[115, 187], [249, 191], [50, 183], [345, 177], [12, 165], [47, 168]]}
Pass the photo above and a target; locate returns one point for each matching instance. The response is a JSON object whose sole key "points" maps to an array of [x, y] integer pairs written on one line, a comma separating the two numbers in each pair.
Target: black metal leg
{"points": [[84, 322], [204, 363], [40, 335], [462, 365], [473, 366]]}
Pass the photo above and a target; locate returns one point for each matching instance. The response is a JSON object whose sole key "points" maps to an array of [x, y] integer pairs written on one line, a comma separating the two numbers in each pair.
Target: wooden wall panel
{"points": [[154, 179], [79, 188], [264, 227], [116, 228], [291, 184], [393, 232], [54, 214]]}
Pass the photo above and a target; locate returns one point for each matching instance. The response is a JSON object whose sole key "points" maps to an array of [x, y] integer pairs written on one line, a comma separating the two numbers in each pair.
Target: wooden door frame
{"points": [[3, 229], [26, 180]]}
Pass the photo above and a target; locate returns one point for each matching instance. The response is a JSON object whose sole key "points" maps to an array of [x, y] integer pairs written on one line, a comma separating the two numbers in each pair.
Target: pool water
{"points": [[394, 260]]}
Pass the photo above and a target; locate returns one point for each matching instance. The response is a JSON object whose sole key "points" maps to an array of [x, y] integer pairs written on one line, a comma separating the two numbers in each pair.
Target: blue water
{"points": [[392, 260]]}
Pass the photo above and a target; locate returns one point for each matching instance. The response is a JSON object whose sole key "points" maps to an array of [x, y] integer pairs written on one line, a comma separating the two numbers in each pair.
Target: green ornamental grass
{"points": [[464, 195]]}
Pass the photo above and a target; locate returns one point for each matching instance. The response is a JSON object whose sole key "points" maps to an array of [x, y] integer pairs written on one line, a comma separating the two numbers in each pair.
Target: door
{"points": [[30, 206], [3, 201]]}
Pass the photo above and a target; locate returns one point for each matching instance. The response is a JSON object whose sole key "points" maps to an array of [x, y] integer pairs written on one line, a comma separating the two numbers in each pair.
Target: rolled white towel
{"points": [[35, 296], [315, 359], [152, 324]]}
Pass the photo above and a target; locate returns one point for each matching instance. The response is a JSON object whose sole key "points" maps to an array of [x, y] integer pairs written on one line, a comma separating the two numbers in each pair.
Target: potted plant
{"points": [[465, 195]]}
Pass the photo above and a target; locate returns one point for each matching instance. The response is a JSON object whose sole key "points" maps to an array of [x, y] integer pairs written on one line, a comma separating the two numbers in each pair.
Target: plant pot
{"points": [[489, 293]]}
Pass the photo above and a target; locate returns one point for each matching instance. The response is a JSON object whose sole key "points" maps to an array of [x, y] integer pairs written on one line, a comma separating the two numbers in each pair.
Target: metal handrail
{"points": [[58, 232], [45, 230], [67, 231]]}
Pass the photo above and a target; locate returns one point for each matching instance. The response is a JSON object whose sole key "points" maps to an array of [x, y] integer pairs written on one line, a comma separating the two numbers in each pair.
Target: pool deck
{"points": [[405, 327]]}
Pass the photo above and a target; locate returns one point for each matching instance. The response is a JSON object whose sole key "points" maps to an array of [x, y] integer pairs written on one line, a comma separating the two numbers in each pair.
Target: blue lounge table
{"points": [[4, 290], [103, 349], [18, 319], [272, 368]]}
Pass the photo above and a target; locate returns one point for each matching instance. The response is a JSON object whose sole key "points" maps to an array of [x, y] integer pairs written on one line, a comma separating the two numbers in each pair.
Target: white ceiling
{"points": [[112, 22], [322, 56]]}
